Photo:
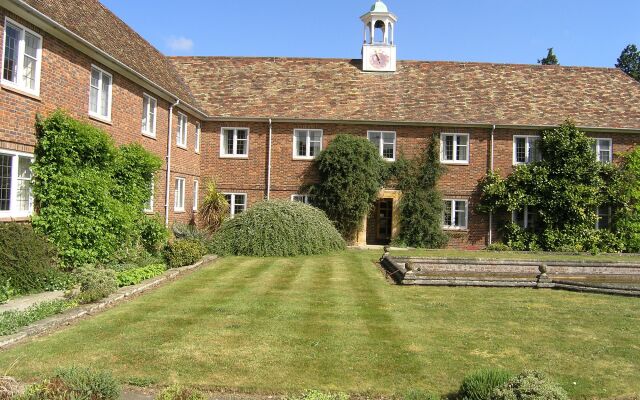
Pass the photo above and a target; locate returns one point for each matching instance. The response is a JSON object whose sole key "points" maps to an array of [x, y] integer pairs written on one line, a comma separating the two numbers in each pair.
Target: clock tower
{"points": [[379, 50]]}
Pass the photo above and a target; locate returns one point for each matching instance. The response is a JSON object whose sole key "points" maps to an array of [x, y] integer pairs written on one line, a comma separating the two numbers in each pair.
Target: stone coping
{"points": [[68, 317]]}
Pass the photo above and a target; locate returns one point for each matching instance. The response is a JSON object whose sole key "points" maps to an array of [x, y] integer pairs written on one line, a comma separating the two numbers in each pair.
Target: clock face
{"points": [[379, 59]]}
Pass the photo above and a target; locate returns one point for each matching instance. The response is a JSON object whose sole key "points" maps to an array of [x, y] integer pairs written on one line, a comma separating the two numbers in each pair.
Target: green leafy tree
{"points": [[626, 188], [89, 194], [550, 59], [421, 203], [565, 187], [351, 175], [629, 61]]}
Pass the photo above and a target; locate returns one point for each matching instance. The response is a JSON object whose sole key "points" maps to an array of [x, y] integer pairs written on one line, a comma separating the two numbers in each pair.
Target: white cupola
{"points": [[379, 50]]}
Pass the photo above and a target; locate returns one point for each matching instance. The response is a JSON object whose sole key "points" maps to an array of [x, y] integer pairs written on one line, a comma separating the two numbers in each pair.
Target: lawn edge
{"points": [[53, 323]]}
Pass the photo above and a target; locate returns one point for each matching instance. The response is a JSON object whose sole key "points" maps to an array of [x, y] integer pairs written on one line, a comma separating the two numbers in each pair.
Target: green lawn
{"points": [[334, 323]]}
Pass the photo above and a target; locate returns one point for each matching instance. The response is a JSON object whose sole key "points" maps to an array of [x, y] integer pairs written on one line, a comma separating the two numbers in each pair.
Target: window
{"points": [[525, 218], [234, 142], [148, 206], [179, 195], [604, 218], [21, 58], [385, 142], [454, 148], [149, 106], [237, 203], [307, 143], [604, 150], [181, 137], [198, 131], [196, 186], [525, 149], [100, 94], [301, 198], [16, 199], [455, 214]]}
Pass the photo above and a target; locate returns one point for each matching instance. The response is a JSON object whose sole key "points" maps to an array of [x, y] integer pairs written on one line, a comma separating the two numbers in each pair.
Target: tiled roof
{"points": [[430, 92], [93, 22]]}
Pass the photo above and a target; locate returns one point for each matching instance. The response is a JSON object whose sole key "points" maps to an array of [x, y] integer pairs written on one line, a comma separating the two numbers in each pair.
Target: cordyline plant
{"points": [[214, 209]]}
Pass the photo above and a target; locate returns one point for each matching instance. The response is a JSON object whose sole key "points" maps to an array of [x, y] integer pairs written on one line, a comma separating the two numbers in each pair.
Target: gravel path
{"points": [[24, 302]]}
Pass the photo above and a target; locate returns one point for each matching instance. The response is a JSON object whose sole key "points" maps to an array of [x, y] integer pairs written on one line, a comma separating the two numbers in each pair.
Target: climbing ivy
{"points": [[89, 193]]}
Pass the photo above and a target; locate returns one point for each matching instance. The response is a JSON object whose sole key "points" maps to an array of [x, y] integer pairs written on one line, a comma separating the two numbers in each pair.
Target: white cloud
{"points": [[179, 44]]}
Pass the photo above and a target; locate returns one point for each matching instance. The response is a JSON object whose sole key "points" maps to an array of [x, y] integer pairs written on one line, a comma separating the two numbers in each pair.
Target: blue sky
{"points": [[582, 32]]}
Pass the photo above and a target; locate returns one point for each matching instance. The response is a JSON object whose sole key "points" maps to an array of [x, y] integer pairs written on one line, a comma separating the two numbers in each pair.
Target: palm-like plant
{"points": [[214, 209]]}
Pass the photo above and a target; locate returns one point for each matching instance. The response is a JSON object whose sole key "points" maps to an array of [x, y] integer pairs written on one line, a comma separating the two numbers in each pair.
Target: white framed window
{"points": [[196, 187], [604, 150], [237, 203], [178, 199], [197, 138], [454, 148], [526, 149], [100, 93], [149, 110], [234, 142], [16, 199], [301, 198], [455, 214], [604, 217], [181, 136], [148, 206], [21, 57], [525, 218], [385, 142], [307, 143]]}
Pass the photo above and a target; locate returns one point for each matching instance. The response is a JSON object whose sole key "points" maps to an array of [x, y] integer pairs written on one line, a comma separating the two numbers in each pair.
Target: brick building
{"points": [[255, 124]]}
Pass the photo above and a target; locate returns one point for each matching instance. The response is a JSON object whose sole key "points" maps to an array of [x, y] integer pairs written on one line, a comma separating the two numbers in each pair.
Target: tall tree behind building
{"points": [[629, 61], [550, 59]]}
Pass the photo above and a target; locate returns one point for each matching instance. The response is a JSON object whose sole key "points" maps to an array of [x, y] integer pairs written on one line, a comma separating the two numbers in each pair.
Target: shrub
{"points": [[89, 193], [497, 246], [530, 385], [318, 395], [419, 394], [177, 392], [214, 209], [11, 321], [95, 284], [136, 275], [75, 383], [183, 252], [278, 228], [28, 260], [480, 385], [351, 175], [6, 291], [421, 203], [154, 234], [189, 232]]}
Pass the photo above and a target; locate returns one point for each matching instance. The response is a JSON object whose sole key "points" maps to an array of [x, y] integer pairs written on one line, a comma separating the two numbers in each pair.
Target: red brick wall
{"points": [[64, 83]]}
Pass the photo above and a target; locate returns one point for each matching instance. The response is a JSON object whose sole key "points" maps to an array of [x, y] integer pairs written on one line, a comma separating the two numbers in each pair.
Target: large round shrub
{"points": [[278, 228]]}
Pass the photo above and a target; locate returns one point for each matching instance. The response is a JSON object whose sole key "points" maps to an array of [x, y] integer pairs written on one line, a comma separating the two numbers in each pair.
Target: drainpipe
{"points": [[493, 130], [168, 159], [269, 161]]}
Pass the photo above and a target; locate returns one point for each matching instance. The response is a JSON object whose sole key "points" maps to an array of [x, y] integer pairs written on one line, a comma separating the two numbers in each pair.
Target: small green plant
{"points": [[12, 321], [6, 291], [481, 384], [318, 395], [136, 275], [95, 284], [154, 235], [140, 381], [419, 394], [498, 246], [177, 392], [530, 385], [75, 383], [183, 252], [214, 209], [278, 228]]}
